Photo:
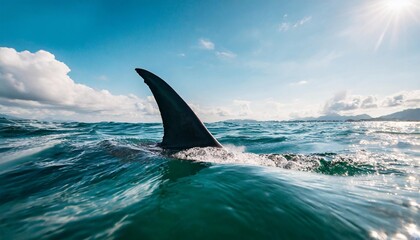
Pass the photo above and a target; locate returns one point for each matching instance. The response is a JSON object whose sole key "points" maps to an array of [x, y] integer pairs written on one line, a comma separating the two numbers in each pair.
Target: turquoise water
{"points": [[273, 180]]}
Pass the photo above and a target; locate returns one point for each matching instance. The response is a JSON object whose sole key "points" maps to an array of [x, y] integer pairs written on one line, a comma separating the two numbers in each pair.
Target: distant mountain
{"points": [[405, 115], [338, 117]]}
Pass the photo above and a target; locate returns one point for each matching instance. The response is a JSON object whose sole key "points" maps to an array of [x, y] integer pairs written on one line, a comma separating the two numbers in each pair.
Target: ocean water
{"points": [[273, 180]]}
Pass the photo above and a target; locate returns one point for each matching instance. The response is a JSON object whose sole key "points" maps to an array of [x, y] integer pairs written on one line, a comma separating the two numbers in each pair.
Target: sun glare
{"points": [[398, 5], [388, 20]]}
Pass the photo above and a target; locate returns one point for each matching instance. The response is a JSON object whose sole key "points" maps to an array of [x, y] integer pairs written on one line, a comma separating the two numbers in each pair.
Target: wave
{"points": [[111, 180], [324, 163]]}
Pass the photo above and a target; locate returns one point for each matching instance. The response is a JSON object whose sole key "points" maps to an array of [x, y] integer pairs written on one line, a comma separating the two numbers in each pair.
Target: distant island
{"points": [[405, 115]]}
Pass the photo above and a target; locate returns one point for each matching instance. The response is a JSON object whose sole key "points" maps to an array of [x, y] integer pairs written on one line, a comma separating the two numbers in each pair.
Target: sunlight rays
{"points": [[392, 17], [398, 5], [386, 20]]}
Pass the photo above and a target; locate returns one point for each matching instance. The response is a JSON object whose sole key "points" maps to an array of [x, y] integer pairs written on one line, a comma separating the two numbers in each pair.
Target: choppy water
{"points": [[274, 180]]}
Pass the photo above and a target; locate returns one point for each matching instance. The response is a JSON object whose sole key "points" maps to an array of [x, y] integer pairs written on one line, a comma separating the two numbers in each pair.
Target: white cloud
{"points": [[300, 83], [405, 98], [211, 113], [206, 44], [286, 25], [226, 55], [38, 83], [266, 109], [237, 109], [209, 45], [302, 21], [243, 107], [343, 102]]}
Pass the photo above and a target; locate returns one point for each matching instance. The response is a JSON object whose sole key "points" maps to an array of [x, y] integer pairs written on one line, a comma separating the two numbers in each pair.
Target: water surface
{"points": [[274, 180]]}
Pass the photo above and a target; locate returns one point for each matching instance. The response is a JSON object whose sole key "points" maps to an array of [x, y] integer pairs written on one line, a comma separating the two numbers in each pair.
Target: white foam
{"points": [[296, 162], [228, 155], [236, 155]]}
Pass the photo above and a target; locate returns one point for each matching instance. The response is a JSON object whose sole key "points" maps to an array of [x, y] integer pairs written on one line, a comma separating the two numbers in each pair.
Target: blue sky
{"points": [[266, 60]]}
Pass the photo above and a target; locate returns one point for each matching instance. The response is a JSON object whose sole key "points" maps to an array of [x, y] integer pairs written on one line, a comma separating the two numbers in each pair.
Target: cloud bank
{"points": [[343, 102], [38, 85]]}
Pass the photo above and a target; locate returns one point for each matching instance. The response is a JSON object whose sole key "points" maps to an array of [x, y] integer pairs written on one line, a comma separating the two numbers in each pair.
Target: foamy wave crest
{"points": [[295, 162], [236, 155], [229, 155], [325, 163]]}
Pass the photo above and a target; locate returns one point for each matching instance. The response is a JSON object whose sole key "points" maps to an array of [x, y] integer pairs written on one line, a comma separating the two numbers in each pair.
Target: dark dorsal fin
{"points": [[182, 128]]}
